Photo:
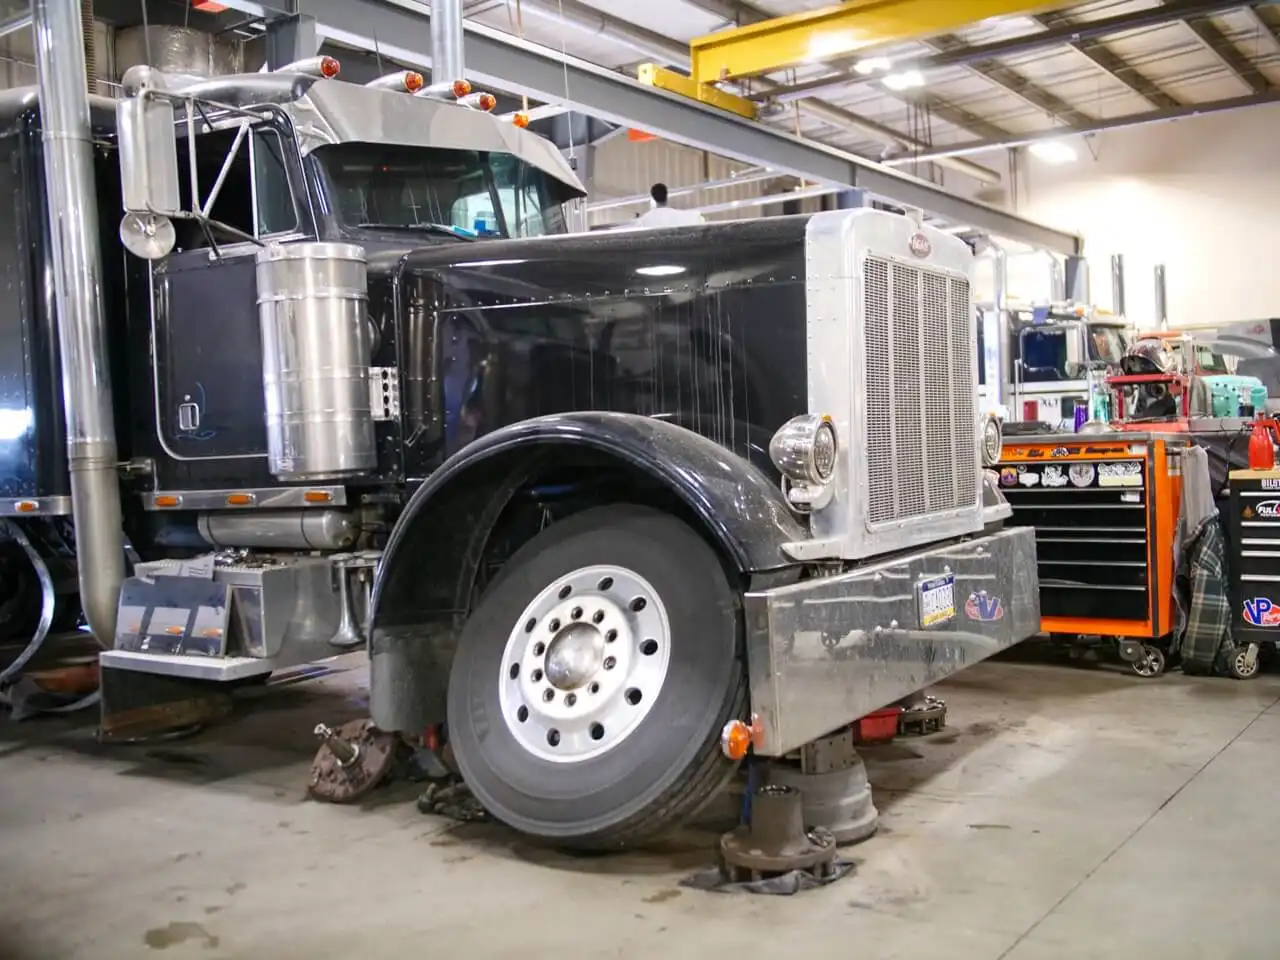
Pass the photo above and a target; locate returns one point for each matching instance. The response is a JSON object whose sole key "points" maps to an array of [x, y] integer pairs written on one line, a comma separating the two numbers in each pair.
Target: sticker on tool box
{"points": [[1261, 612], [937, 600], [1264, 509], [1124, 474], [1054, 476], [1081, 474]]}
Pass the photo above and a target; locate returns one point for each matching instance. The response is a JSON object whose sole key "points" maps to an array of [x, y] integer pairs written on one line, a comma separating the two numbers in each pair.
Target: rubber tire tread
{"points": [[712, 771], [709, 770]]}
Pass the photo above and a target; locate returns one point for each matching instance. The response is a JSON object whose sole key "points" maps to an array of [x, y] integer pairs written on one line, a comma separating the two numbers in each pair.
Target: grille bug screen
{"points": [[919, 391]]}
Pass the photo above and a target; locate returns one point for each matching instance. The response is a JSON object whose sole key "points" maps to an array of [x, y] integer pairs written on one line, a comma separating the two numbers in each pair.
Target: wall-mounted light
{"points": [[1053, 151], [660, 270]]}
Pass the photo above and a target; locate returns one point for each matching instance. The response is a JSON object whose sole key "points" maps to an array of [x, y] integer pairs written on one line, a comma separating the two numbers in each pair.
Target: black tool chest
{"points": [[1253, 545]]}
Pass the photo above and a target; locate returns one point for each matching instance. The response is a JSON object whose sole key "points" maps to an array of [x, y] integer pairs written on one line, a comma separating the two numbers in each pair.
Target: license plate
{"points": [[937, 600]]}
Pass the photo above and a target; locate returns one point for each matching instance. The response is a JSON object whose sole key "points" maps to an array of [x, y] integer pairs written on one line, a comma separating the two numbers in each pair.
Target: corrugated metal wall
{"points": [[17, 56], [172, 48], [625, 168]]}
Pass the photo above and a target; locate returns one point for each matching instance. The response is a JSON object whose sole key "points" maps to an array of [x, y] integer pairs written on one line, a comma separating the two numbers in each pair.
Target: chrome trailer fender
{"points": [[426, 579]]}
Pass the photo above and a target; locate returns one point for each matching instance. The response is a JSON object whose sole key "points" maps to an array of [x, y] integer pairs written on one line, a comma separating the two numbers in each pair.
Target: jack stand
{"points": [[832, 781]]}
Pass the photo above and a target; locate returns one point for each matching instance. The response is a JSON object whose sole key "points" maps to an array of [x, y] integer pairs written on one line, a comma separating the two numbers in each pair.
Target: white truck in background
{"points": [[1040, 361]]}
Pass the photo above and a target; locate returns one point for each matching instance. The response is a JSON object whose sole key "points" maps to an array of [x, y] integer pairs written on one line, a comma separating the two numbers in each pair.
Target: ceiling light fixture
{"points": [[1053, 151], [661, 270], [905, 80], [872, 65]]}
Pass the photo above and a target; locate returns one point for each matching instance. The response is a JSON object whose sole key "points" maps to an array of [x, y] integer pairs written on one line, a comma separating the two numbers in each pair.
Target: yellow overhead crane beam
{"points": [[839, 31], [653, 75]]}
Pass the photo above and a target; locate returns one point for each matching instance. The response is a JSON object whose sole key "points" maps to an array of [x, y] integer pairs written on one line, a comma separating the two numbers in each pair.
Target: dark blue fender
{"points": [[427, 574]]}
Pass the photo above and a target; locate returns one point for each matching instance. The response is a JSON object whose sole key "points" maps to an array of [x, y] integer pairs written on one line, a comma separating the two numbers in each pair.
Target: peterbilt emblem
{"points": [[920, 245]]}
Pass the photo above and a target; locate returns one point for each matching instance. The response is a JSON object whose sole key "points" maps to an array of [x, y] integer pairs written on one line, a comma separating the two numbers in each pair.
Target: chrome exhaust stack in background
{"points": [[77, 263], [447, 66]]}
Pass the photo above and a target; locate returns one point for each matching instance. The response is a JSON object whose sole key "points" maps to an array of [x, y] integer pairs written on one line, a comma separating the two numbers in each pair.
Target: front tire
{"points": [[593, 680]]}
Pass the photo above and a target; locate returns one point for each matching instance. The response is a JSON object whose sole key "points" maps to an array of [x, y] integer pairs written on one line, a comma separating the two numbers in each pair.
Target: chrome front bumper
{"points": [[824, 652]]}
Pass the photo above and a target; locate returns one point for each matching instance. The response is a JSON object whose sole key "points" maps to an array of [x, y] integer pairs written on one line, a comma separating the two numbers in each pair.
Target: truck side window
{"points": [[275, 202], [255, 198]]}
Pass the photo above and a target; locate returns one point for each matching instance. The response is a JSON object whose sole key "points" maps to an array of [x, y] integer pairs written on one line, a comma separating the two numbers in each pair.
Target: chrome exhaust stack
{"points": [[77, 278], [447, 66]]}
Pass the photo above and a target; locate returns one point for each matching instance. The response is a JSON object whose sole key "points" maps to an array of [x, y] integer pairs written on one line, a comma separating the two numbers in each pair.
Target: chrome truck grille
{"points": [[919, 392]]}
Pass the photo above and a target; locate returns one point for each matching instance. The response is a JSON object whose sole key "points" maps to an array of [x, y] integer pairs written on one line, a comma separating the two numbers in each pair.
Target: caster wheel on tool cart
{"points": [[1245, 663], [1151, 664], [593, 680]]}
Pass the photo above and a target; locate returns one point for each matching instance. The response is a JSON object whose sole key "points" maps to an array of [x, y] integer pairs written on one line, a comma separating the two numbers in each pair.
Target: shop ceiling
{"points": [[933, 86]]}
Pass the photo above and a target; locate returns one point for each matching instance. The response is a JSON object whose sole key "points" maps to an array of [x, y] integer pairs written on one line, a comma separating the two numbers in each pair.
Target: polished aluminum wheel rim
{"points": [[584, 664]]}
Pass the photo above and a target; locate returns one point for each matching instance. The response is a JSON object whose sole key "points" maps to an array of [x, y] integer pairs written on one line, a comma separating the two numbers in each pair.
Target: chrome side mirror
{"points": [[148, 146]]}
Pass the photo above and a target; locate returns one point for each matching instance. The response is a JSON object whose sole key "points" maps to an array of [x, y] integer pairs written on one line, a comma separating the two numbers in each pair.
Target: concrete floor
{"points": [[1064, 813]]}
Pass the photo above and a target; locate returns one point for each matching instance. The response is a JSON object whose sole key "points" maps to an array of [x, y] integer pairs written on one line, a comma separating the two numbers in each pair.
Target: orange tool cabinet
{"points": [[1105, 511]]}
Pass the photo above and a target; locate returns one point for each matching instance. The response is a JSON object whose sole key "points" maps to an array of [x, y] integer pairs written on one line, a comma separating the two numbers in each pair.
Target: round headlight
{"points": [[992, 441], [804, 449], [824, 451]]}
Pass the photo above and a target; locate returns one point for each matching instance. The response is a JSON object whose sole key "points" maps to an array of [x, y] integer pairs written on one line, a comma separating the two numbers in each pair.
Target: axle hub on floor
{"points": [[776, 841]]}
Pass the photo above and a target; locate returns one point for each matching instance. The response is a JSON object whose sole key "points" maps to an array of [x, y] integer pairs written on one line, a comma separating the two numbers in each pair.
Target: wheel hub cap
{"points": [[575, 656], [584, 664]]}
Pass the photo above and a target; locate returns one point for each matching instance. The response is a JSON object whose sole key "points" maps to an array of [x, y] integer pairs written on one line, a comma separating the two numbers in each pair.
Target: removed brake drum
{"points": [[351, 761]]}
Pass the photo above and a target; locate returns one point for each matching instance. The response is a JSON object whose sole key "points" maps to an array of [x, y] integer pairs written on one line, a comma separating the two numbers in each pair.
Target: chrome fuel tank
{"points": [[316, 351]]}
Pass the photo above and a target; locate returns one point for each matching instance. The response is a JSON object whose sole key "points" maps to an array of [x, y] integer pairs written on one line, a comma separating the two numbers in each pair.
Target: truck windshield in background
{"points": [[1106, 343], [1045, 354], [378, 186]]}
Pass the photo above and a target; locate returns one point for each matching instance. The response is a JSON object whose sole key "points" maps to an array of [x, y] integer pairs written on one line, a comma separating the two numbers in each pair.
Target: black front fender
{"points": [[425, 580]]}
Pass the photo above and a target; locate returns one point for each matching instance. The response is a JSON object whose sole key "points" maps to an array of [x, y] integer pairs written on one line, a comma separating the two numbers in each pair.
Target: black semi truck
{"points": [[589, 501]]}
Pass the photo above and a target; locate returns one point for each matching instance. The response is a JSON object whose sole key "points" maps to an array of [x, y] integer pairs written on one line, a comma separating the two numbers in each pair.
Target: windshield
{"points": [[400, 187], [1106, 343], [1209, 362], [1045, 352]]}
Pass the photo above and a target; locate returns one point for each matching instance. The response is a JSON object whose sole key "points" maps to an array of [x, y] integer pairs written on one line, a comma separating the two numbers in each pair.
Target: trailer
{"points": [[597, 504]]}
